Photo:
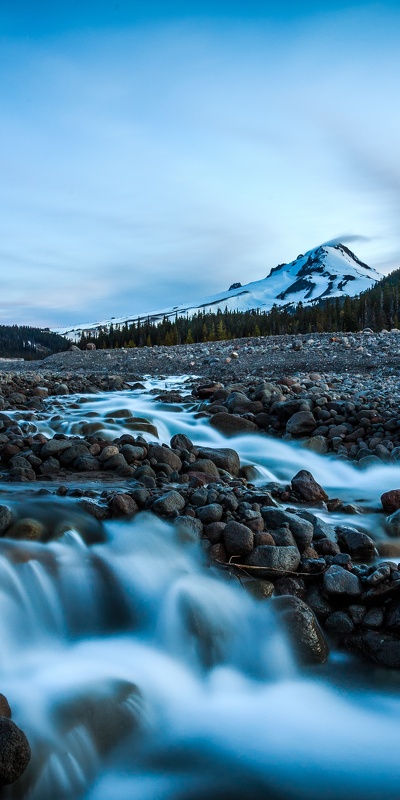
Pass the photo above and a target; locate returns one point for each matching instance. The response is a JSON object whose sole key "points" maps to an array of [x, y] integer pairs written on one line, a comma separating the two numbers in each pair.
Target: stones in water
{"points": [[238, 539], [303, 629]]}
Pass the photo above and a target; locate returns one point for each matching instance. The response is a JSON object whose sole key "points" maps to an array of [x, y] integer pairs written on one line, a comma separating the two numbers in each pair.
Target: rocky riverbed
{"points": [[86, 444]]}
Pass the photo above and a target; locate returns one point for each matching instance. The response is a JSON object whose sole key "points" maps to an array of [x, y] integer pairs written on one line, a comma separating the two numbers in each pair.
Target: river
{"points": [[138, 671]]}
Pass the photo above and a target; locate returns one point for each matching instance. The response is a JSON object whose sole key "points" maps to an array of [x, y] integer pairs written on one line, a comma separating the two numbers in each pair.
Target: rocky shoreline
{"points": [[282, 386]]}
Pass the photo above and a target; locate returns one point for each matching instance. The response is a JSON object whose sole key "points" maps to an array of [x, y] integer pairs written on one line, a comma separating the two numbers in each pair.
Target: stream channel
{"points": [[140, 672]]}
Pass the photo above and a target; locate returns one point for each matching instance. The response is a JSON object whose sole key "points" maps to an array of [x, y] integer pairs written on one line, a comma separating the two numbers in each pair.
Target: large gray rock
{"points": [[360, 546], [165, 455], [301, 423], [223, 458], [273, 562], [231, 425], [301, 529], [209, 513], [54, 447], [238, 539], [15, 752], [340, 583], [303, 629], [307, 488], [170, 504]]}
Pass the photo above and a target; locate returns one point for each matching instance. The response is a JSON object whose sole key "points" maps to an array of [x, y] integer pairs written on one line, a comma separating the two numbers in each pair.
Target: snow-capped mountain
{"points": [[326, 271]]}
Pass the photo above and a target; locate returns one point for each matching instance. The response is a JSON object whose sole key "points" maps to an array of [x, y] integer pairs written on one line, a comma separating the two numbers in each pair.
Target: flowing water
{"points": [[139, 671]]}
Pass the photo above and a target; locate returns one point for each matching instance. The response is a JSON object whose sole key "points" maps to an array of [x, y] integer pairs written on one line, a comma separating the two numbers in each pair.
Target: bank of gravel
{"points": [[336, 393]]}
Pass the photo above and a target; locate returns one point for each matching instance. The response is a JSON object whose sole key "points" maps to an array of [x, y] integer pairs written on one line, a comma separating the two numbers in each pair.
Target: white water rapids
{"points": [[139, 672]]}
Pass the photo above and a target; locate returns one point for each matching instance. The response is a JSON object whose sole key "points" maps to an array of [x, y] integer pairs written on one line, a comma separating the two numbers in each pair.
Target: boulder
{"points": [[307, 488], [170, 504], [15, 752], [238, 539], [231, 425], [304, 632], [223, 458], [301, 424], [391, 501], [273, 561], [340, 583], [359, 546]]}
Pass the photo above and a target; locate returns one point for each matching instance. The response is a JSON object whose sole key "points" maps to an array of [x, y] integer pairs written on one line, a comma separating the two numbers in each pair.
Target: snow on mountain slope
{"points": [[326, 271]]}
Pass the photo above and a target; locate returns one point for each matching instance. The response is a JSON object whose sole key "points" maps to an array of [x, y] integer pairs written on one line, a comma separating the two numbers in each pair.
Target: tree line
{"points": [[22, 341], [377, 308]]}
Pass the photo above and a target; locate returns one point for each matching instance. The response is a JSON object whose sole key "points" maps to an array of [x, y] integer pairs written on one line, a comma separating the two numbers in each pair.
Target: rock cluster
{"points": [[329, 415], [243, 528]]}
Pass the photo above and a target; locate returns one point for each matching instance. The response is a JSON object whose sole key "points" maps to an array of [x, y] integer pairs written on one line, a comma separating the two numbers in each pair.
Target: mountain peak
{"points": [[329, 270]]}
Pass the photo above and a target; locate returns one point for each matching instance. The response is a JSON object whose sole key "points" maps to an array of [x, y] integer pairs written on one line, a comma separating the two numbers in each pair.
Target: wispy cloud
{"points": [[146, 166]]}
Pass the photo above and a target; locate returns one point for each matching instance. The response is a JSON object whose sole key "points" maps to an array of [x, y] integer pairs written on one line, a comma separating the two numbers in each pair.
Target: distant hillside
{"points": [[29, 343]]}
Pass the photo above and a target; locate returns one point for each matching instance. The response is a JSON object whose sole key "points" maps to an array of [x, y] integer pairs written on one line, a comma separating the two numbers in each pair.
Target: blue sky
{"points": [[156, 152]]}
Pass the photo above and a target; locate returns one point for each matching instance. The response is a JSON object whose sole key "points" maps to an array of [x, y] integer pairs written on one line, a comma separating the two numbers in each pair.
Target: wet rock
{"points": [[54, 447], [51, 466], [391, 501], [259, 589], [207, 467], [170, 504], [339, 623], [381, 647], [284, 537], [7, 518], [223, 458], [209, 513], [15, 752], [166, 456], [303, 629], [317, 444], [132, 453], [291, 585], [86, 463], [359, 546], [30, 529], [306, 487], [108, 452], [5, 710], [340, 583], [189, 529], [124, 504], [373, 618], [68, 456], [230, 425], [181, 442], [238, 539], [393, 524], [273, 562], [301, 424], [94, 509], [301, 528]]}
